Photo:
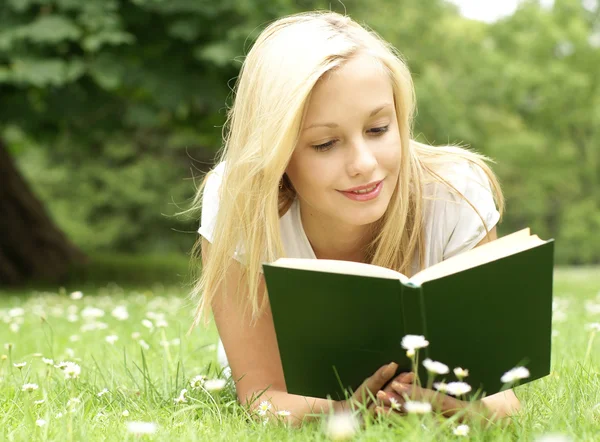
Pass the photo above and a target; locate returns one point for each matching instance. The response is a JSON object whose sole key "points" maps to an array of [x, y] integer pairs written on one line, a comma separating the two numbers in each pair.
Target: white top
{"points": [[451, 224]]}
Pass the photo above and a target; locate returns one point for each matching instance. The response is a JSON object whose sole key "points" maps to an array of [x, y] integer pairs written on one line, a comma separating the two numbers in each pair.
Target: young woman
{"points": [[318, 162]]}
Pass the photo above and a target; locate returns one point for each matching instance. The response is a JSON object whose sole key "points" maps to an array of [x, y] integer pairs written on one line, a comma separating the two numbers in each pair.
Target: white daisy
{"points": [[147, 323], [284, 413], [90, 312], [111, 339], [414, 342], [29, 387], [181, 399], [416, 407], [263, 408], [395, 404], [341, 426], [120, 313], [20, 365], [16, 311], [40, 422], [594, 326], [514, 375], [197, 381], [141, 427], [102, 392], [457, 388], [461, 373], [71, 370], [125, 413], [435, 367], [442, 387], [214, 384], [461, 430], [48, 361], [76, 295]]}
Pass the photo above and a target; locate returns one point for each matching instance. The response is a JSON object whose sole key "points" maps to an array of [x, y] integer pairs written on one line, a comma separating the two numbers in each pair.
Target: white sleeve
{"points": [[463, 226], [211, 199], [210, 202]]}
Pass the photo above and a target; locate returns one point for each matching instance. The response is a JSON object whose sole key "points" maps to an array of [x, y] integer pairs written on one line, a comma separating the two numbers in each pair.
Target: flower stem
{"points": [[589, 347]]}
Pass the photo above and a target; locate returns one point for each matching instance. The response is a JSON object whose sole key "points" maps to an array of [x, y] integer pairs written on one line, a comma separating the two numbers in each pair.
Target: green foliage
{"points": [[111, 105]]}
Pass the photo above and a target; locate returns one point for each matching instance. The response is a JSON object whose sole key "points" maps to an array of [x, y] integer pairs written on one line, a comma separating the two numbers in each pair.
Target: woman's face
{"points": [[350, 139]]}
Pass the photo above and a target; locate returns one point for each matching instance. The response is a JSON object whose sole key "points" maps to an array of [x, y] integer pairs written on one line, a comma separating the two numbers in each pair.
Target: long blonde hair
{"points": [[272, 91]]}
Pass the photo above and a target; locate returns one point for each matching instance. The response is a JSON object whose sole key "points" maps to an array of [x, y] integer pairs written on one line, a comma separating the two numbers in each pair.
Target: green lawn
{"points": [[153, 360]]}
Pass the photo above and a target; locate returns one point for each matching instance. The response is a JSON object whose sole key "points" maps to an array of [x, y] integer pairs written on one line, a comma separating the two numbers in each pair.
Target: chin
{"points": [[367, 215]]}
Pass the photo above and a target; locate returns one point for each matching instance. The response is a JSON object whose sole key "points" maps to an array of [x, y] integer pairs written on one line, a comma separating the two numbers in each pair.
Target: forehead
{"points": [[359, 82]]}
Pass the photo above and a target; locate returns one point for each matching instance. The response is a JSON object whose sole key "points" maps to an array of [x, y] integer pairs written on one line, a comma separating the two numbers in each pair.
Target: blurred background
{"points": [[110, 110]]}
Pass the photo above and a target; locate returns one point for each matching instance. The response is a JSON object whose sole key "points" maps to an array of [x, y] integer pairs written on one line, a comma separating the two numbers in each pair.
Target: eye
{"points": [[380, 130], [377, 131], [323, 147]]}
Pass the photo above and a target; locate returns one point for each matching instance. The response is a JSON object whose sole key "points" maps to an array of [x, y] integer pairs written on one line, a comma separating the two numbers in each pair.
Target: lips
{"points": [[367, 192], [363, 189]]}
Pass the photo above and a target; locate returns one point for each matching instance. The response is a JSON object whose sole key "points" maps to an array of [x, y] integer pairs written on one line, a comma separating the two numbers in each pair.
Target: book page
{"points": [[492, 251], [343, 267]]}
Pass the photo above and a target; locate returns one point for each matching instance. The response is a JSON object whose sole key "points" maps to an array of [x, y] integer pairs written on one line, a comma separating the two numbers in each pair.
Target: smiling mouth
{"points": [[363, 191]]}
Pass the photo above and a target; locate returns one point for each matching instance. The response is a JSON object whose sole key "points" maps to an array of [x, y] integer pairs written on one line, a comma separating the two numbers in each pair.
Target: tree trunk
{"points": [[31, 246]]}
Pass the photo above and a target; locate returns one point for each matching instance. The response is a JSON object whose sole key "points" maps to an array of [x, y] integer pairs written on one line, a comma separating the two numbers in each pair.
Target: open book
{"points": [[487, 310]]}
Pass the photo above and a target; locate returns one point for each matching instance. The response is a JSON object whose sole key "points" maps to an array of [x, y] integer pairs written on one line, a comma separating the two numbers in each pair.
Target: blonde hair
{"points": [[272, 91]]}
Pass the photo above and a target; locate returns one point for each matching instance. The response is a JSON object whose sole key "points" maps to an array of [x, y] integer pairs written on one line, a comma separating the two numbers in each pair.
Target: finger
{"points": [[405, 389], [373, 384], [390, 399], [403, 378], [439, 401]]}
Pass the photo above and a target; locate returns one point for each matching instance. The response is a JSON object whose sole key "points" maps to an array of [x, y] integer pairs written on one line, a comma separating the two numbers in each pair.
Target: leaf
{"points": [[46, 72], [220, 53], [112, 37], [186, 30], [107, 72], [49, 29]]}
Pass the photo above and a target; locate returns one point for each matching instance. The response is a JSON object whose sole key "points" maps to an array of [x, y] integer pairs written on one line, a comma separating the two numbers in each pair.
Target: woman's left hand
{"points": [[393, 397]]}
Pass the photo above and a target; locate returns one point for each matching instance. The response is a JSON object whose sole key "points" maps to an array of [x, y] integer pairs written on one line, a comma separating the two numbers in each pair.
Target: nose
{"points": [[362, 160]]}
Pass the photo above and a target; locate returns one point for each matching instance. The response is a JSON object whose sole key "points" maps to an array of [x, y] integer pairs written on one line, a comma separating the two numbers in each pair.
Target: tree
{"points": [[113, 89]]}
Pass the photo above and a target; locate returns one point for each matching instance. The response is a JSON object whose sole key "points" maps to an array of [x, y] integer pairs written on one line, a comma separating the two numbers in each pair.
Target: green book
{"points": [[487, 310]]}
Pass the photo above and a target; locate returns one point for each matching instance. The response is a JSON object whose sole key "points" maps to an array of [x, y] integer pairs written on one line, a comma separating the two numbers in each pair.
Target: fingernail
{"points": [[390, 370], [398, 386], [381, 394]]}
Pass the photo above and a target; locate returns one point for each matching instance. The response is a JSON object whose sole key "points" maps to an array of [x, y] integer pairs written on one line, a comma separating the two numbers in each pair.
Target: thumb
{"points": [[374, 383]]}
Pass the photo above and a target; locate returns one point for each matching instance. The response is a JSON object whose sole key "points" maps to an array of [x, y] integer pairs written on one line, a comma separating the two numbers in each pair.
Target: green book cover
{"points": [[334, 329]]}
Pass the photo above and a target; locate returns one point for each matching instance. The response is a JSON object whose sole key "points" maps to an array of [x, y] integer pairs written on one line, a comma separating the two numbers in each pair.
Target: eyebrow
{"points": [[333, 125]]}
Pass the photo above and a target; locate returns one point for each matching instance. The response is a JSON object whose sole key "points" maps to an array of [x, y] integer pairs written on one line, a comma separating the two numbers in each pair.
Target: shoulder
{"points": [[459, 207], [456, 179], [210, 200]]}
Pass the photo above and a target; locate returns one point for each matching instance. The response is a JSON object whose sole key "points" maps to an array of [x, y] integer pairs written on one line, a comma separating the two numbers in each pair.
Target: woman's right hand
{"points": [[368, 389]]}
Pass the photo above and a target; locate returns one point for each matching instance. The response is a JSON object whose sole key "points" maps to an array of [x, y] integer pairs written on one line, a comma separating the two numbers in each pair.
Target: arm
{"points": [[254, 356], [252, 350]]}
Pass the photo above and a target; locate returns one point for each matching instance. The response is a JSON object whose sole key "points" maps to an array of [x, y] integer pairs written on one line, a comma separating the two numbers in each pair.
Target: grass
{"points": [[146, 368]]}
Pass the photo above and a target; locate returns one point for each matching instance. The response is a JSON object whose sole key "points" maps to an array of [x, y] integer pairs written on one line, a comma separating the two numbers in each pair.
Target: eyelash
{"points": [[329, 144]]}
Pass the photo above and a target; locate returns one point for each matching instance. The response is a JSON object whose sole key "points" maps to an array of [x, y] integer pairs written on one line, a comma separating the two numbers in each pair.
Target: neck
{"points": [[333, 240]]}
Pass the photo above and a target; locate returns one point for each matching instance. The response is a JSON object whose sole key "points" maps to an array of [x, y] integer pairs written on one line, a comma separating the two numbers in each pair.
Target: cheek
{"points": [[309, 175], [391, 156]]}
